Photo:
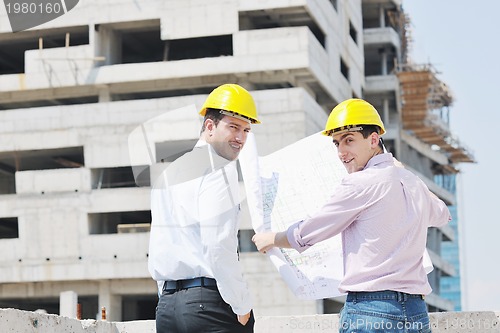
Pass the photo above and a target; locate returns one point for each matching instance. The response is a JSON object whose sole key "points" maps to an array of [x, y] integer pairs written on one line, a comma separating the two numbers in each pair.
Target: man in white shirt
{"points": [[195, 208]]}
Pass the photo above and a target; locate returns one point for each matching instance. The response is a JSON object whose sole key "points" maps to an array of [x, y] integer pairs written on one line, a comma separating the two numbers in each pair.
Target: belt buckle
{"points": [[168, 286]]}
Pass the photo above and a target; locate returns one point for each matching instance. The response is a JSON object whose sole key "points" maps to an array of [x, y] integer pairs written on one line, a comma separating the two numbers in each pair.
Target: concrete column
{"points": [[320, 306], [381, 16], [109, 45], [386, 111], [383, 61], [104, 94], [68, 301], [112, 303]]}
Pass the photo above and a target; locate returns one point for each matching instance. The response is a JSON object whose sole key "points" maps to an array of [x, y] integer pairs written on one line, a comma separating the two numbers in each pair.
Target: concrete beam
{"points": [[381, 36], [424, 148], [12, 320], [442, 264], [442, 193]]}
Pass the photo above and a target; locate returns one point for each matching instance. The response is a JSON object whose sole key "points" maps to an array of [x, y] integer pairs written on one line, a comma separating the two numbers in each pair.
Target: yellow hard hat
{"points": [[233, 100], [350, 114]]}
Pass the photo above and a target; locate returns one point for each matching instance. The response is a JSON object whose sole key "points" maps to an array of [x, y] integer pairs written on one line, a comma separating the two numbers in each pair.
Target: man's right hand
{"points": [[265, 241], [243, 319]]}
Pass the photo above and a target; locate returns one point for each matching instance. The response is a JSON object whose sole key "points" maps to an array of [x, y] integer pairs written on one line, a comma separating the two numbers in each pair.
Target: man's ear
{"points": [[209, 125], [375, 138]]}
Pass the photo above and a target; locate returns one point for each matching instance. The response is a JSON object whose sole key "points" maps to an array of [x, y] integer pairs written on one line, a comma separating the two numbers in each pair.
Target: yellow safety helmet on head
{"points": [[350, 114], [233, 100]]}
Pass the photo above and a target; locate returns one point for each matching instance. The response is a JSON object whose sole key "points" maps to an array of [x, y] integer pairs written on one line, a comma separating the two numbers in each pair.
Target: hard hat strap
{"points": [[236, 115], [383, 145], [345, 129]]}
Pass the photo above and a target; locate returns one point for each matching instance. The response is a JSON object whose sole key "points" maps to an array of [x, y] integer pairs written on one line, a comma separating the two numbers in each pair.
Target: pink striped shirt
{"points": [[383, 213]]}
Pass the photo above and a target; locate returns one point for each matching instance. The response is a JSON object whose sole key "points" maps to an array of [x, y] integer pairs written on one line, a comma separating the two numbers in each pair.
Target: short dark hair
{"points": [[213, 114], [369, 129]]}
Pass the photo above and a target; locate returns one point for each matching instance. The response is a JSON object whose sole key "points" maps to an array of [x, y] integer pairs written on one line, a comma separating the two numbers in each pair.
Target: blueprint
{"points": [[292, 184]]}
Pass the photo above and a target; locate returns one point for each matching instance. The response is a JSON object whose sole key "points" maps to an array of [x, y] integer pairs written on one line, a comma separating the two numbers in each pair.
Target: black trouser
{"points": [[198, 309]]}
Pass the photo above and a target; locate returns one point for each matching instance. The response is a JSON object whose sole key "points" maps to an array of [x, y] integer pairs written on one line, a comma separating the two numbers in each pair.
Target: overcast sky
{"points": [[461, 39]]}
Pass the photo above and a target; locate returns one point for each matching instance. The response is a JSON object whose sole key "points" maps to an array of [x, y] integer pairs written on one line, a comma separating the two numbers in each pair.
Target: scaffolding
{"points": [[425, 111], [401, 22]]}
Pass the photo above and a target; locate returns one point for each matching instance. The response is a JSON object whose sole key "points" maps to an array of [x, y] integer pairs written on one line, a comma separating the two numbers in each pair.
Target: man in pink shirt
{"points": [[382, 212]]}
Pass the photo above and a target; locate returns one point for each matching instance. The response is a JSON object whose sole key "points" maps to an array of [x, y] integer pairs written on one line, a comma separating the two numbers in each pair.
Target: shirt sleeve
{"points": [[219, 210], [432, 211], [335, 216], [439, 213]]}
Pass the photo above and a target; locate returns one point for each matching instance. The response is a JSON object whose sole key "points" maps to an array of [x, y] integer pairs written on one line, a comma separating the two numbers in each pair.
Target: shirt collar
{"points": [[200, 143], [385, 158]]}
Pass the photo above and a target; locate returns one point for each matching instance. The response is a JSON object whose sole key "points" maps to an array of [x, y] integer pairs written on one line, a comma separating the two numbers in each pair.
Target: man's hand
{"points": [[264, 241], [243, 319]]}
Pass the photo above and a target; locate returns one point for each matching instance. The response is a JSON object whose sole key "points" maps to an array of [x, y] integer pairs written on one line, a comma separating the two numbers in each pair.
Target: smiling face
{"points": [[227, 137], [354, 150]]}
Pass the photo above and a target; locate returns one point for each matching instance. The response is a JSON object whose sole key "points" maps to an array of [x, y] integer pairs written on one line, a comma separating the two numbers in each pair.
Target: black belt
{"points": [[378, 295], [189, 283]]}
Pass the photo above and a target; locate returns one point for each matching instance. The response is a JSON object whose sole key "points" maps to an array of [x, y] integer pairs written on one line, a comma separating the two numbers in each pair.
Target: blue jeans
{"points": [[384, 311]]}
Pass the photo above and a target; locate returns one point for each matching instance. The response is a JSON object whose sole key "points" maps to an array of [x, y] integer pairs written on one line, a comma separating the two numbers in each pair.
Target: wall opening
{"points": [[45, 305], [380, 60], [353, 32], [7, 179], [14, 45], [334, 4], [90, 307], [119, 222], [9, 227], [281, 17], [344, 69], [115, 178], [141, 42], [139, 307], [42, 159], [201, 47], [142, 46]]}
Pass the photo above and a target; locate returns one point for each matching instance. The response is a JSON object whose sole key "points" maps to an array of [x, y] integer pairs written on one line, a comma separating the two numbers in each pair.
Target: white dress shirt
{"points": [[195, 219]]}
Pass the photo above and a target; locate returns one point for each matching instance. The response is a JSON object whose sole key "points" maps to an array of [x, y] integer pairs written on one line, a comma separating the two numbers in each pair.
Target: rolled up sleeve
{"points": [[340, 211]]}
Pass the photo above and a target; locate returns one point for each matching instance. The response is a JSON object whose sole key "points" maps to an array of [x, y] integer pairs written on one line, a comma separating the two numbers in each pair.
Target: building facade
{"points": [[72, 90], [450, 286]]}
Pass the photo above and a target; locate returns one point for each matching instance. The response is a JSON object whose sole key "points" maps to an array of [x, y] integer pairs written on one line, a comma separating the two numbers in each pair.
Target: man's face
{"points": [[355, 151], [228, 137]]}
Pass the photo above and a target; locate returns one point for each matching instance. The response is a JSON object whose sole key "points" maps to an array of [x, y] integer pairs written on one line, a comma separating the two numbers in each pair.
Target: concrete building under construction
{"points": [[73, 89]]}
